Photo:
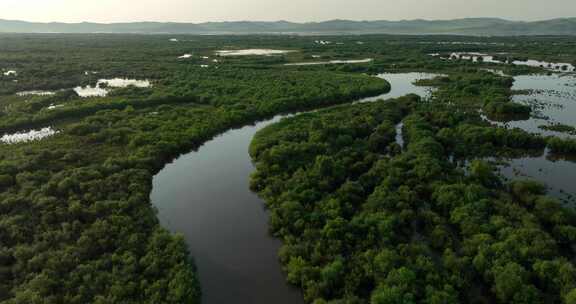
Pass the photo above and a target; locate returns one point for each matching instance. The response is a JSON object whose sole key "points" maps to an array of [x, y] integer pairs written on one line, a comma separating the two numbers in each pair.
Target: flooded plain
{"points": [[553, 101], [476, 57], [558, 174]]}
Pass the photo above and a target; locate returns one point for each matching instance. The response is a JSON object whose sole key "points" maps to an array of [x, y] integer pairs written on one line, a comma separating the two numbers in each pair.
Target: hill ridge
{"points": [[465, 26]]}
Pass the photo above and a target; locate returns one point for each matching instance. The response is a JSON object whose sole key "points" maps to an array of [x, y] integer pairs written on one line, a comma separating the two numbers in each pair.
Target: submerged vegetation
{"points": [[562, 146], [363, 216], [562, 128]]}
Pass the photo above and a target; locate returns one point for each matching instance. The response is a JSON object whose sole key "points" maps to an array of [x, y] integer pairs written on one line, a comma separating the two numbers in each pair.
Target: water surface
{"points": [[36, 93], [476, 56], [99, 90], [252, 52], [553, 99], [558, 174], [403, 84], [28, 136], [350, 61], [10, 73]]}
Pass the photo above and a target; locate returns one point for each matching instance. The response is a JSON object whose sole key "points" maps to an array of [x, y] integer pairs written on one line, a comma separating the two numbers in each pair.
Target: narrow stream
{"points": [[205, 196], [400, 135]]}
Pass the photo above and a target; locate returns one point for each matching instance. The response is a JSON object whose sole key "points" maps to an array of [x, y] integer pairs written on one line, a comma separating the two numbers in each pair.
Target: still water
{"points": [[475, 57], [205, 196], [558, 174], [553, 100]]}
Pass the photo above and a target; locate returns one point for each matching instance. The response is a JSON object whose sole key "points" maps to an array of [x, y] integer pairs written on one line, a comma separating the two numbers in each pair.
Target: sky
{"points": [[272, 10]]}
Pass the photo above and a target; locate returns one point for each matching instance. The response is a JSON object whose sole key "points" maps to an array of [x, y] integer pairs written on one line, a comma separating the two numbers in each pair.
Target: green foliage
{"points": [[571, 297], [500, 109], [416, 229], [362, 217], [470, 139], [562, 128], [77, 225], [483, 173], [562, 146]]}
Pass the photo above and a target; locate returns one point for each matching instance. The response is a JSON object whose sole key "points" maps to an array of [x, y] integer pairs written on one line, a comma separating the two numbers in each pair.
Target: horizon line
{"points": [[284, 20]]}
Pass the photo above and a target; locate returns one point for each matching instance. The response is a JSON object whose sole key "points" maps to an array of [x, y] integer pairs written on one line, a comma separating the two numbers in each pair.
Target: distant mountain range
{"points": [[467, 26]]}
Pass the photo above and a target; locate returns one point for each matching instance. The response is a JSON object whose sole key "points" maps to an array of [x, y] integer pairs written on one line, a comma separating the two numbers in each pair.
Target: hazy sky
{"points": [[265, 10]]}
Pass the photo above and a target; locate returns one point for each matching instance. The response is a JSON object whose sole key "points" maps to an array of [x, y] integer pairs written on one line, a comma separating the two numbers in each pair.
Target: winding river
{"points": [[204, 195]]}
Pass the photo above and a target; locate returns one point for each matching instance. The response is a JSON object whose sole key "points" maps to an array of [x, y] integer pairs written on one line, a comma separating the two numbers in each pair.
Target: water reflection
{"points": [[403, 84], [557, 173]]}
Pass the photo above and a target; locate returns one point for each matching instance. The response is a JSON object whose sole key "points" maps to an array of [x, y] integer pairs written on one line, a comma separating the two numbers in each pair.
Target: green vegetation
{"points": [[77, 225], [562, 128], [472, 90], [507, 108], [365, 220], [562, 146], [362, 217], [361, 223], [76, 211]]}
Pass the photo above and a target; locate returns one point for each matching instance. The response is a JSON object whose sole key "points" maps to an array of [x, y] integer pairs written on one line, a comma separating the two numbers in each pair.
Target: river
{"points": [[205, 196]]}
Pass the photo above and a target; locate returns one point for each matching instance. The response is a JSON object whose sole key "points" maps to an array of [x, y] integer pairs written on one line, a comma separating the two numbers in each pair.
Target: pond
{"points": [[35, 93], [332, 62], [28, 136], [403, 84], [99, 90], [252, 52], [205, 196], [557, 173], [89, 91]]}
